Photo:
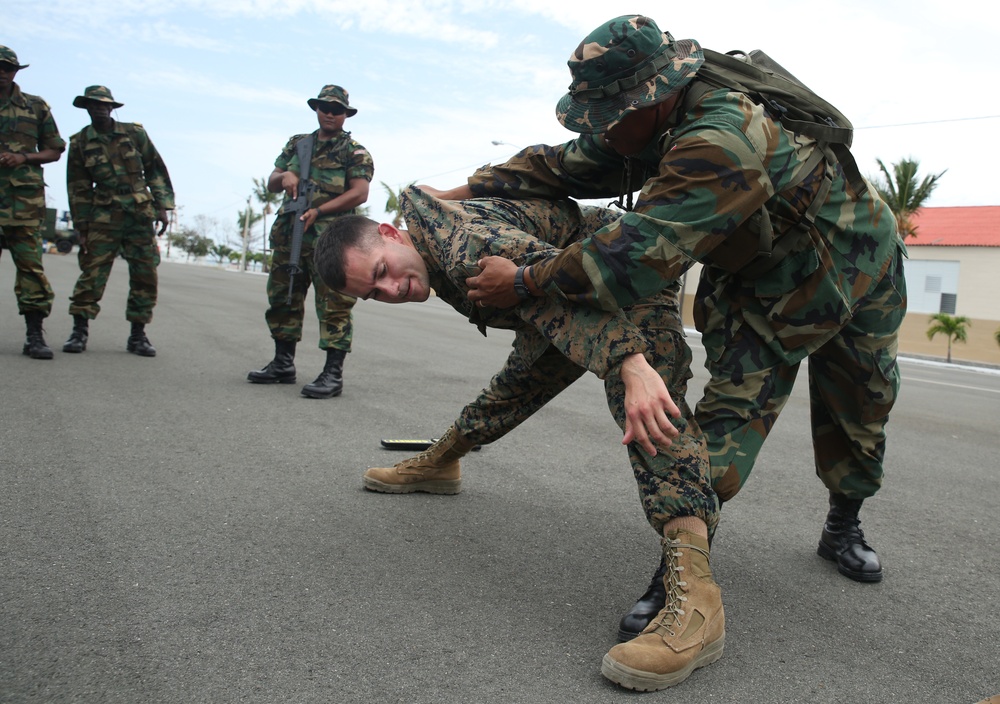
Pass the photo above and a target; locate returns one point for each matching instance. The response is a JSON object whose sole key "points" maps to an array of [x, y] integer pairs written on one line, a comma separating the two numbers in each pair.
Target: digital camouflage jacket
{"points": [[451, 236], [703, 183], [26, 125], [120, 169]]}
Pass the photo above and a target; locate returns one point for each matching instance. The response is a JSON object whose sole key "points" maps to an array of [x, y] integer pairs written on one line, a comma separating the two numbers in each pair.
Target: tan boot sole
{"points": [[650, 681], [444, 486]]}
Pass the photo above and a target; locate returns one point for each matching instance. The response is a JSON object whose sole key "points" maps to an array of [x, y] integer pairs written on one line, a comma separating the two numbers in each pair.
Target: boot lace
{"points": [[669, 617], [851, 533]]}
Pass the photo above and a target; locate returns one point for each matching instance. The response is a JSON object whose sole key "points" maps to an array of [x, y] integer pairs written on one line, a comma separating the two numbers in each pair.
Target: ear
{"points": [[389, 232]]}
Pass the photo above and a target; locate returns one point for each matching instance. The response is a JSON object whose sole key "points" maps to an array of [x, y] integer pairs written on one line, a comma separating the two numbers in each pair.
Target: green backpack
{"points": [[797, 108], [787, 99]]}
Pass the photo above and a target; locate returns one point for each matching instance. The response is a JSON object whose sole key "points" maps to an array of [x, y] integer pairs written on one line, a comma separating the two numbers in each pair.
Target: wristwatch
{"points": [[519, 288]]}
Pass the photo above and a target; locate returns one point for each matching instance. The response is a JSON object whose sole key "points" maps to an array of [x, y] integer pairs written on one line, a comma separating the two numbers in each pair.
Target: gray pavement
{"points": [[170, 533]]}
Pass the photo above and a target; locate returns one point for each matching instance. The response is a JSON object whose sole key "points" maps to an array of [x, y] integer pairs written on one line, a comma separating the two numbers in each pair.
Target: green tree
{"points": [[955, 327], [393, 204], [903, 193], [221, 251], [193, 243], [996, 336]]}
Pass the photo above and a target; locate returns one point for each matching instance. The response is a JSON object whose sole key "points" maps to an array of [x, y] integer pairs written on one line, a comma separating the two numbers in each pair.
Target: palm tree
{"points": [[903, 194], [393, 205], [954, 326]]}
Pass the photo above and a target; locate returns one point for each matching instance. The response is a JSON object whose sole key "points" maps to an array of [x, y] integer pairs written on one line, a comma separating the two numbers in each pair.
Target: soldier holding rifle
{"points": [[324, 175]]}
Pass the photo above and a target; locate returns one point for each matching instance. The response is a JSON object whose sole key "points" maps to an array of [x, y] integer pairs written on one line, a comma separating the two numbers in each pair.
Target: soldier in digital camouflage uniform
{"points": [[555, 342], [707, 161], [341, 170], [28, 138], [118, 189]]}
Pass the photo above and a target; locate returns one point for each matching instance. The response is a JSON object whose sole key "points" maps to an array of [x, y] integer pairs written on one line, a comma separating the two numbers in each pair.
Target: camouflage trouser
{"points": [[34, 295], [135, 239], [333, 309], [673, 484], [853, 382]]}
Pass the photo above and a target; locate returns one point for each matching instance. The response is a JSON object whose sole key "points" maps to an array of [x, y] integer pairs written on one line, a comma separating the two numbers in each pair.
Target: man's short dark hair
{"points": [[329, 254]]}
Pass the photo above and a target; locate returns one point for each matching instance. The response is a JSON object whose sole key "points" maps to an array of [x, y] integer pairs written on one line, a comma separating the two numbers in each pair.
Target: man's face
{"points": [[392, 272], [637, 129], [7, 73], [331, 117], [99, 112]]}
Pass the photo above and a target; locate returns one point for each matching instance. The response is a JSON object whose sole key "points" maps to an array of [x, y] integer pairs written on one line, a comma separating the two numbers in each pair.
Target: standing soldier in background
{"points": [[340, 170], [118, 187], [28, 138]]}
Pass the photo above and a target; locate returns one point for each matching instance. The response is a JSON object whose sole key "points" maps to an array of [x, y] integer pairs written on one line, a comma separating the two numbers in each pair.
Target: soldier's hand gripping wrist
{"points": [[648, 406], [494, 286]]}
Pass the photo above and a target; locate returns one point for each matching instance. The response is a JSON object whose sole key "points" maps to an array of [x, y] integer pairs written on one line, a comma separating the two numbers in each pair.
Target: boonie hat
{"points": [[99, 94], [625, 64], [7, 56], [333, 94]]}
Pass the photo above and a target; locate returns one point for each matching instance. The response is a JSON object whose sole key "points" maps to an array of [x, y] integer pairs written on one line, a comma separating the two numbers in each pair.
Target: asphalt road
{"points": [[171, 533]]}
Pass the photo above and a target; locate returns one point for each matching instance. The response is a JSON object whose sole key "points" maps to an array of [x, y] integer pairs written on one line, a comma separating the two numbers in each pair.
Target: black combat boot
{"points": [[280, 370], [644, 610], [330, 381], [34, 343], [77, 341], [138, 343], [844, 542]]}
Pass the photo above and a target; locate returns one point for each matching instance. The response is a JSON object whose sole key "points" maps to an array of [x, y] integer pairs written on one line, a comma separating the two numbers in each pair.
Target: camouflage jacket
{"points": [[26, 125], [703, 183], [335, 163], [451, 236], [116, 170]]}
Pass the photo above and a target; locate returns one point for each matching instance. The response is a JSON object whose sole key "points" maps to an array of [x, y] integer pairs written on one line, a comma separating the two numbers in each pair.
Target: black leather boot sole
{"points": [[269, 378]]}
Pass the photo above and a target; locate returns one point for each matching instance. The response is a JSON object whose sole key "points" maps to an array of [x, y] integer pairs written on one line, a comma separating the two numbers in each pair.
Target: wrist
{"points": [[520, 288]]}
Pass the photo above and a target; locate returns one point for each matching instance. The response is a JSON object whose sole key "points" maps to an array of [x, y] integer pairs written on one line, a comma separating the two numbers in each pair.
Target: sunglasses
{"points": [[7, 68], [331, 108]]}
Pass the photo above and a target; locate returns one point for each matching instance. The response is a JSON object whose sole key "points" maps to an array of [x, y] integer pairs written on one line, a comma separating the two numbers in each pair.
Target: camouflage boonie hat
{"points": [[7, 56], [624, 65], [333, 94], [98, 94]]}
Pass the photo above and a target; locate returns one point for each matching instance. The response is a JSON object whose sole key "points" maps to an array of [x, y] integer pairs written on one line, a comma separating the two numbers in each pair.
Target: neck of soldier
{"points": [[103, 124], [328, 134]]}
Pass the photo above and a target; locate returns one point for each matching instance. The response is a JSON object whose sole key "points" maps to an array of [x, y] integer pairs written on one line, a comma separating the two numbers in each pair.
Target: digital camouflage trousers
{"points": [[675, 483]]}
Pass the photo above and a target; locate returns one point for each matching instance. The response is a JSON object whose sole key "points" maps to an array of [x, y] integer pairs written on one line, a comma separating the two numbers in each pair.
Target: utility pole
{"points": [[246, 236]]}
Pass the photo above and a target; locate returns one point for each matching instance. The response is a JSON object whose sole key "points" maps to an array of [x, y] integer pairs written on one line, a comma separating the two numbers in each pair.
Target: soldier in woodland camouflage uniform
{"points": [[341, 169], [118, 188], [707, 161], [555, 342], [28, 139]]}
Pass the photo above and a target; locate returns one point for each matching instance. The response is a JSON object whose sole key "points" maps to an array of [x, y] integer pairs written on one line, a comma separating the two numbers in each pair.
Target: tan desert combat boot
{"points": [[434, 471], [688, 633]]}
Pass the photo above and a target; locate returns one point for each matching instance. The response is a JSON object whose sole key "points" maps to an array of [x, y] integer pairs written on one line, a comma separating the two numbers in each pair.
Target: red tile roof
{"points": [[965, 226]]}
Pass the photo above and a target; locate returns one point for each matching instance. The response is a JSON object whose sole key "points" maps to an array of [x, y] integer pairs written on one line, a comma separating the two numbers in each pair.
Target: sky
{"points": [[220, 85]]}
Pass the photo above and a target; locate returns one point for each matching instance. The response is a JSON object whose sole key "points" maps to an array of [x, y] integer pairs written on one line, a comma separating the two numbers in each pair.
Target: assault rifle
{"points": [[298, 208]]}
